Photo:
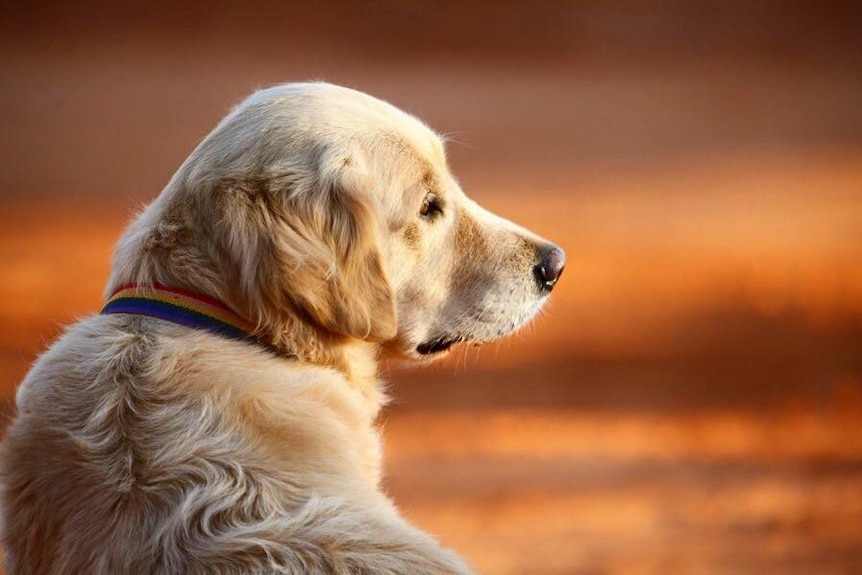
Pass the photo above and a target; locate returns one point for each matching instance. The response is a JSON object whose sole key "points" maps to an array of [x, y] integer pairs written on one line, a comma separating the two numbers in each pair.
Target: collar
{"points": [[182, 307]]}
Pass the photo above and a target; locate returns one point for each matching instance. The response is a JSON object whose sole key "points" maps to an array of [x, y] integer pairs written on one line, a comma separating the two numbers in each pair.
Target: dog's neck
{"points": [[355, 359], [358, 362]]}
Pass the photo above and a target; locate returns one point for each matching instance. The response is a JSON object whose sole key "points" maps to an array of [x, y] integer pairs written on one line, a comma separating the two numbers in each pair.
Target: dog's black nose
{"points": [[552, 260]]}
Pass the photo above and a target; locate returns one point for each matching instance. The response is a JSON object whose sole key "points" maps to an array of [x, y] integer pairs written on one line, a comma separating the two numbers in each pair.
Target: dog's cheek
{"points": [[418, 309], [365, 305]]}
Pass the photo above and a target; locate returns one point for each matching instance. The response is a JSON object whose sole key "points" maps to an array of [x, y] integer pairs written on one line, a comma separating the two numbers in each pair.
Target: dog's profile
{"points": [[219, 415]]}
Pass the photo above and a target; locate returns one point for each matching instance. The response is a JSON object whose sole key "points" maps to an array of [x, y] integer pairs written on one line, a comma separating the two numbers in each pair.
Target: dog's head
{"points": [[321, 212]]}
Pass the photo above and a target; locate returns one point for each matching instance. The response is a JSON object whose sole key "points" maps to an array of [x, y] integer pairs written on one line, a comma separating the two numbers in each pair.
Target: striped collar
{"points": [[182, 307]]}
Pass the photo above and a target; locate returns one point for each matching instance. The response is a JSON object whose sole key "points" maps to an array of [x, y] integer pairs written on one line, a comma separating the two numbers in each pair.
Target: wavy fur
{"points": [[142, 446]]}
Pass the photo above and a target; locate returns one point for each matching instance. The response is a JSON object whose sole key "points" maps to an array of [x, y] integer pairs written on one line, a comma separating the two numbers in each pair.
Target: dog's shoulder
{"points": [[122, 388]]}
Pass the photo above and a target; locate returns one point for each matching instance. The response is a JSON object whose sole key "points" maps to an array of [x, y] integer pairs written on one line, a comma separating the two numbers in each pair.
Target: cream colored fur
{"points": [[141, 446]]}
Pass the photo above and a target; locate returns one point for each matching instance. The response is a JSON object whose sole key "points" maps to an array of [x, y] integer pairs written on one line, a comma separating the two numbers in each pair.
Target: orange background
{"points": [[691, 400]]}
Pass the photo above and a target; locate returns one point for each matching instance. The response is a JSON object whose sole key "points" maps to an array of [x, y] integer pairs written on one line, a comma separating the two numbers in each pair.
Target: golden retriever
{"points": [[219, 415]]}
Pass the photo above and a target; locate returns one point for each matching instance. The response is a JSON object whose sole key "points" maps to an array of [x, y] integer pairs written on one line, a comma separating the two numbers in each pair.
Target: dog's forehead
{"points": [[410, 130], [351, 112]]}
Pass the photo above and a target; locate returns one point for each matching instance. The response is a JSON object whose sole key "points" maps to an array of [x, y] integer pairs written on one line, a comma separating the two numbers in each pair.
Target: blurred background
{"points": [[690, 402]]}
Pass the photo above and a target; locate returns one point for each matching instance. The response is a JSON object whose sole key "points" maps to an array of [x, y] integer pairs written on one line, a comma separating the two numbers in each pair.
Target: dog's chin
{"points": [[427, 351], [438, 346]]}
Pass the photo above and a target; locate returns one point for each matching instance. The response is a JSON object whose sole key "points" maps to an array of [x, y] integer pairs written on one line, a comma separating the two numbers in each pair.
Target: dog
{"points": [[219, 415]]}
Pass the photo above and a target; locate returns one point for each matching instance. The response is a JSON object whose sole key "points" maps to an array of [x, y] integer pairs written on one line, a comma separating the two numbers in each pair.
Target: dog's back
{"points": [[137, 449], [69, 457]]}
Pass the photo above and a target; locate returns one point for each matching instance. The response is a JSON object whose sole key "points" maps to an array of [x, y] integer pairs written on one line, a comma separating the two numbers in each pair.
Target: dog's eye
{"points": [[431, 206]]}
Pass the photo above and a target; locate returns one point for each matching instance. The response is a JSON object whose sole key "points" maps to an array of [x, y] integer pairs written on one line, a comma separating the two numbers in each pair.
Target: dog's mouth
{"points": [[438, 345]]}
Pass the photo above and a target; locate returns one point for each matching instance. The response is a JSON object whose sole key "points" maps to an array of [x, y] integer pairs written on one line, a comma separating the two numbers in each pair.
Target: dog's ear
{"points": [[305, 241]]}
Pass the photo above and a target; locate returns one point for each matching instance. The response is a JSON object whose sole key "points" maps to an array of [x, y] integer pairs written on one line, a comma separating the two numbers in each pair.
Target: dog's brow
{"points": [[430, 181]]}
